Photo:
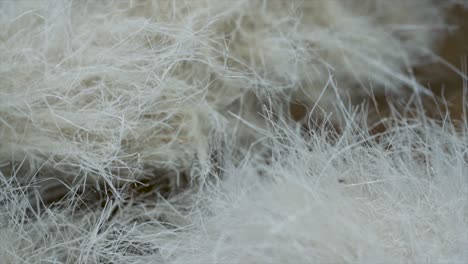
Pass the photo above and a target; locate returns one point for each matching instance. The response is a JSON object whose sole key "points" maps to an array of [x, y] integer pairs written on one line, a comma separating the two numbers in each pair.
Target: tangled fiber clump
{"points": [[400, 196], [159, 131]]}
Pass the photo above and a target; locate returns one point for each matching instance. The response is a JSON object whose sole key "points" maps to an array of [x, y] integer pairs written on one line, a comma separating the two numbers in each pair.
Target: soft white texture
{"points": [[401, 196], [95, 94], [106, 89]]}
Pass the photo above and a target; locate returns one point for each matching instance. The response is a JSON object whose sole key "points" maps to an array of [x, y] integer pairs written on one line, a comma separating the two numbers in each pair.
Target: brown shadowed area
{"points": [[444, 82], [442, 78]]}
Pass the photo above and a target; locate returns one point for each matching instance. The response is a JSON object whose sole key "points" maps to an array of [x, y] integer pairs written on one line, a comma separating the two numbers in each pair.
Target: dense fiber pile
{"points": [[159, 131]]}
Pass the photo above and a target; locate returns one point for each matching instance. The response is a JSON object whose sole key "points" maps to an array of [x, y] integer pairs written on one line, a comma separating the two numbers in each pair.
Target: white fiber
{"points": [[101, 88], [159, 132], [400, 196]]}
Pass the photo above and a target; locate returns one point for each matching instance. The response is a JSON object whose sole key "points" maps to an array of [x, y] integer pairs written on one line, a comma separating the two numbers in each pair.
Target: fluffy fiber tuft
{"points": [[159, 132], [321, 197], [100, 90]]}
